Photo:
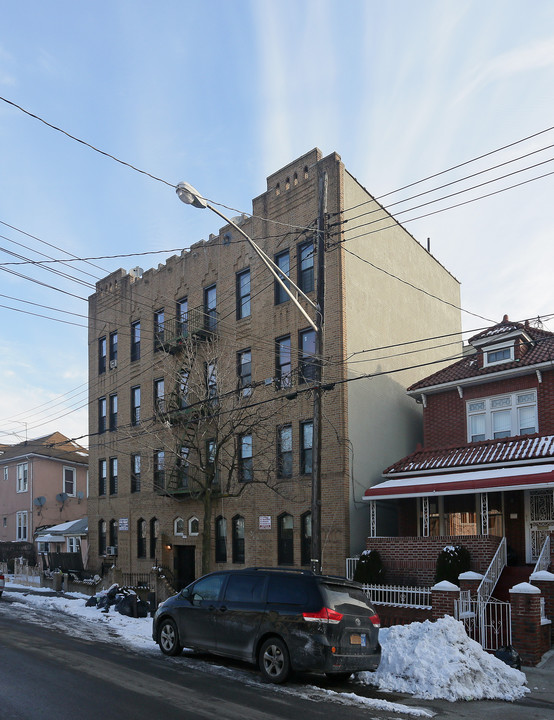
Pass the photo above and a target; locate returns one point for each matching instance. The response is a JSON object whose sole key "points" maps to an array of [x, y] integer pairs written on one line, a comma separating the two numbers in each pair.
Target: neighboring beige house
{"points": [[42, 482], [173, 348]]}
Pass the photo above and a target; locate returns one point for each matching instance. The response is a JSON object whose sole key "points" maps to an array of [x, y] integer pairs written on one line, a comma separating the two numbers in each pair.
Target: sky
{"points": [[427, 660], [225, 92]]}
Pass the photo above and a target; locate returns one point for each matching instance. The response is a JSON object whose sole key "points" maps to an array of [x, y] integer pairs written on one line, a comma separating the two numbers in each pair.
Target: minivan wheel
{"points": [[274, 660], [168, 638]]}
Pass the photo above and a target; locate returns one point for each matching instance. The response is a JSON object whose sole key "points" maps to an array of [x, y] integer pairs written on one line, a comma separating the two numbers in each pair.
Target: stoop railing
{"points": [[498, 563], [543, 561]]}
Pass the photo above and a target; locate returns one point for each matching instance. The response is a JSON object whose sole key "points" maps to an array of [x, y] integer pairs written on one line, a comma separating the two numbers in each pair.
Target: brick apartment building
{"points": [[43, 482], [201, 374], [486, 470]]}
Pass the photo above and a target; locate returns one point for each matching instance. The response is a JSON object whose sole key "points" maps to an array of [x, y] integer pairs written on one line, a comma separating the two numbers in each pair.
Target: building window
{"points": [[211, 467], [246, 472], [307, 361], [285, 540], [210, 305], [102, 355], [283, 367], [113, 535], [113, 350], [220, 540], [243, 294], [183, 389], [22, 476], [69, 482], [182, 315], [135, 405], [306, 444], [135, 473], [284, 451], [159, 470], [5, 473], [498, 355], [113, 476], [194, 526], [183, 469], [306, 538], [238, 539], [113, 412], [159, 396], [306, 266], [179, 527], [135, 341], [159, 329], [154, 532], [211, 380], [21, 525], [102, 475], [502, 416], [244, 371], [101, 537], [282, 260], [73, 545], [141, 538], [101, 415]]}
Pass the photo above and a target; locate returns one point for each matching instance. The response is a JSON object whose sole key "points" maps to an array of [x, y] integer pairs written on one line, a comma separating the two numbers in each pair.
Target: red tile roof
{"points": [[506, 451], [540, 350]]}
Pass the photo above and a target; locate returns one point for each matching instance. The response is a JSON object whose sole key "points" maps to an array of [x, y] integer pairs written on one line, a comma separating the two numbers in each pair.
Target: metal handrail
{"points": [[498, 563], [543, 561]]}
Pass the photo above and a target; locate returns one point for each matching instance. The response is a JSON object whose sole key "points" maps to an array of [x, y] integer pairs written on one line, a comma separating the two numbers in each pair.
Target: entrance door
{"points": [[541, 519], [183, 565]]}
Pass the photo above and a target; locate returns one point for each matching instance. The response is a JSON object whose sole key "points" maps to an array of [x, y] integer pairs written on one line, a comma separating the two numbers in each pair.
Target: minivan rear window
{"points": [[245, 588], [347, 600], [287, 590]]}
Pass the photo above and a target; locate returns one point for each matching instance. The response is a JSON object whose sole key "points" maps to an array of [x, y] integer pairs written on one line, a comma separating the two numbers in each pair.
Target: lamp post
{"points": [[190, 196]]}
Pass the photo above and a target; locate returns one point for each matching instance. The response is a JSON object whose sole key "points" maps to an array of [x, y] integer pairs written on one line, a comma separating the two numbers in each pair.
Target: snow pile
{"points": [[437, 660]]}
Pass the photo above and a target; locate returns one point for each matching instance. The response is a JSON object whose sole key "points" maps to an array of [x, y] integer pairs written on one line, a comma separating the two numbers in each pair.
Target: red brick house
{"points": [[486, 470]]}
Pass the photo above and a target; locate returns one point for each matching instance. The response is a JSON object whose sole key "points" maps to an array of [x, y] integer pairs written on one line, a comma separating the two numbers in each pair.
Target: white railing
{"points": [[488, 623], [498, 563], [543, 562], [351, 564], [399, 596]]}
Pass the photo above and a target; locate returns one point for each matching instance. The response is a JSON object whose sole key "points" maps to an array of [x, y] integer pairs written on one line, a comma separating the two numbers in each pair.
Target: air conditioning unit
{"points": [[113, 364], [111, 550]]}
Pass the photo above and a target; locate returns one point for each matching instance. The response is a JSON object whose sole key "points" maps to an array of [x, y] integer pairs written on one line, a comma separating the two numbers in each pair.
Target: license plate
{"points": [[356, 639]]}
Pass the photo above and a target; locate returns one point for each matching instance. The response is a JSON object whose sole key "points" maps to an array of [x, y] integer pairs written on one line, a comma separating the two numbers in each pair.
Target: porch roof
{"points": [[531, 477]]}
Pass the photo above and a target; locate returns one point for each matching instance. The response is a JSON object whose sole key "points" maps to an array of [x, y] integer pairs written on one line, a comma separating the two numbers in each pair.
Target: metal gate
{"points": [[488, 623], [541, 519]]}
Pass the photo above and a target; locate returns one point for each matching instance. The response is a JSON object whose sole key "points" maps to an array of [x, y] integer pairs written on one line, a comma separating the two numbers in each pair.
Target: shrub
{"points": [[452, 560], [370, 569]]}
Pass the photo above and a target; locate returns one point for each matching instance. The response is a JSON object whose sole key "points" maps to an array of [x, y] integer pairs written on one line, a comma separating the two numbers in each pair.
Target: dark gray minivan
{"points": [[282, 620]]}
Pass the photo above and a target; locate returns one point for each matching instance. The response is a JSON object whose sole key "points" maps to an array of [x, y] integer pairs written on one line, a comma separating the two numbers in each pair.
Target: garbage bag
{"points": [[509, 656]]}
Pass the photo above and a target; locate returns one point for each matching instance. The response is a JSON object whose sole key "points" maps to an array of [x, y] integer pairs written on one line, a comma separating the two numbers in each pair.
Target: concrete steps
{"points": [[511, 575]]}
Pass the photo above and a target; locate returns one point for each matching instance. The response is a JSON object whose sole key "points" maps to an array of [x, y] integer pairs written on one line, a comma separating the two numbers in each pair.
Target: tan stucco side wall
{"points": [[384, 424]]}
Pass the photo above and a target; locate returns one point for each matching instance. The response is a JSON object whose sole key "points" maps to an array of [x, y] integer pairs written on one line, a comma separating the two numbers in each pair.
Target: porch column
{"points": [[425, 515], [484, 513], [372, 518]]}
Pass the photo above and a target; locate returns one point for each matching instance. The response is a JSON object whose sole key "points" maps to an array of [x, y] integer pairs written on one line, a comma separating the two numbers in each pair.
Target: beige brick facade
{"points": [[366, 424]]}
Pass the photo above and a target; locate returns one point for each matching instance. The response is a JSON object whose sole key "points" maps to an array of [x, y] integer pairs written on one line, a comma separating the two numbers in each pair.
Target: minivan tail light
{"points": [[324, 615], [375, 621]]}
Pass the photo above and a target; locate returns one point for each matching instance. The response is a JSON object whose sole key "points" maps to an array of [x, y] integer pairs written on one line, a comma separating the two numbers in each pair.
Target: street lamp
{"points": [[190, 196]]}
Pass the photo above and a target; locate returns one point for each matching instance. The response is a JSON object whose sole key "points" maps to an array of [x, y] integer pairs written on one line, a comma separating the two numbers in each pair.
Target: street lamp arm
{"points": [[190, 196]]}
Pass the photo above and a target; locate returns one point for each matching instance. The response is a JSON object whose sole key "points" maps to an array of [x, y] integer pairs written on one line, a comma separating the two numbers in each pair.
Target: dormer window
{"points": [[498, 354]]}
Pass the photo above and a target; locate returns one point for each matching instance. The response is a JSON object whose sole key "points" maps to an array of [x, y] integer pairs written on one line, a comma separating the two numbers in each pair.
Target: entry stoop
{"points": [[510, 576]]}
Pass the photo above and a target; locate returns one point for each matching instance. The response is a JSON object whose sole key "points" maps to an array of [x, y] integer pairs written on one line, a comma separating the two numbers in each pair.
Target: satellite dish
{"points": [[62, 497], [80, 495], [39, 501]]}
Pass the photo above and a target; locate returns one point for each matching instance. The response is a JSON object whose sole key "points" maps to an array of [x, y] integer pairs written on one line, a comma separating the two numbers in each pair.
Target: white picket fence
{"points": [[400, 596]]}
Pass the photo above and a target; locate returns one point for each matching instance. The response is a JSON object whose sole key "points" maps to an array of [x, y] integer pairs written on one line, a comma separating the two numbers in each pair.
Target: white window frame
{"points": [[192, 520], [22, 483], [22, 525], [497, 403], [498, 348], [5, 473], [66, 468], [179, 523], [73, 545]]}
